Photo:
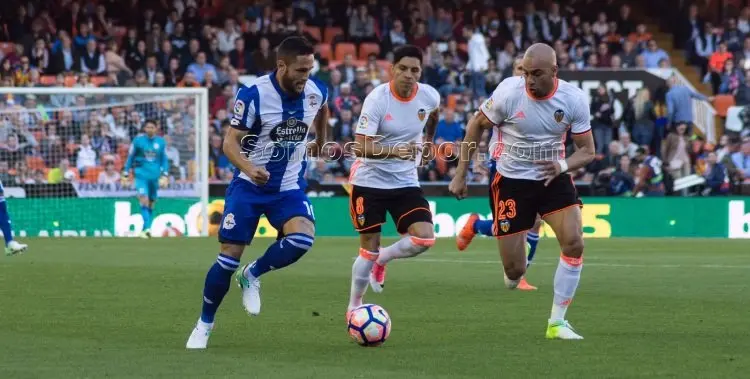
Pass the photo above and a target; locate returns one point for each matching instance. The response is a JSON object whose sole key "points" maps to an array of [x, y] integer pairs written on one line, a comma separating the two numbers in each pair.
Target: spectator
{"points": [[741, 160], [601, 109], [679, 102], [555, 27], [732, 36], [61, 173], [478, 57], [240, 58], [86, 156], [731, 78], [201, 67], [227, 36], [621, 182], [40, 57], [676, 152], [653, 54], [628, 147], [343, 128], [394, 38], [639, 117], [717, 181], [449, 129], [92, 61], [705, 44], [362, 26], [109, 175], [114, 62], [264, 60], [716, 65]]}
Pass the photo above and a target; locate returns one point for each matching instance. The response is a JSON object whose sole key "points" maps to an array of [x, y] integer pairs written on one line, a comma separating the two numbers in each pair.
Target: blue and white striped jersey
{"points": [[277, 126]]}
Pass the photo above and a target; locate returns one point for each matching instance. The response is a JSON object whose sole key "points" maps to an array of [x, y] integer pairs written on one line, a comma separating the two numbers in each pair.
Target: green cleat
{"points": [[561, 330]]}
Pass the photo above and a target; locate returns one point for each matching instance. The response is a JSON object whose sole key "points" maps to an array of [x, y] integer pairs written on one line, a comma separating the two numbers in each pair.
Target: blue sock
{"points": [[218, 279], [282, 253], [5, 221], [483, 227], [533, 239], [146, 214]]}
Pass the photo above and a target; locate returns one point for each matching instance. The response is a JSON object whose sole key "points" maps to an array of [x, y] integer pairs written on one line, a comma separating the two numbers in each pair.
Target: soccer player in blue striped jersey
{"points": [[267, 143], [12, 247], [476, 226], [148, 159]]}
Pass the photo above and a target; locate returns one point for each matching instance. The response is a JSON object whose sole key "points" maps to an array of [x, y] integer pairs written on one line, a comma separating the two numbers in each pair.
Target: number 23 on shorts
{"points": [[506, 209]]}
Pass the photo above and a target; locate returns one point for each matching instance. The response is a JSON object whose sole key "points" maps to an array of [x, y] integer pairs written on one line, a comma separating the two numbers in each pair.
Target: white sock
{"points": [[566, 281], [205, 325], [406, 247], [361, 276]]}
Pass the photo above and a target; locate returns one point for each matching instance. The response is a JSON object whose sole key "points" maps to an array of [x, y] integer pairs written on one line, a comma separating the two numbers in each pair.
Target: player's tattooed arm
{"points": [[321, 132], [428, 150], [474, 129], [233, 150]]}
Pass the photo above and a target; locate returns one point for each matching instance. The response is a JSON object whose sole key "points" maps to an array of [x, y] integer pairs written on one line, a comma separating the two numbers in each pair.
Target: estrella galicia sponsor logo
{"points": [[290, 132]]}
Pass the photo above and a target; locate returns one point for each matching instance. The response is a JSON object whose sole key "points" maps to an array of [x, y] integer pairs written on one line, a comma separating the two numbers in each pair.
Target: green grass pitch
{"points": [[97, 308]]}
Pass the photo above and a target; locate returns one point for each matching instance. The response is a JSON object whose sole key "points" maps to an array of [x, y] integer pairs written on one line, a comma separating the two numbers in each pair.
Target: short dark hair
{"points": [[151, 121], [407, 51], [291, 47]]}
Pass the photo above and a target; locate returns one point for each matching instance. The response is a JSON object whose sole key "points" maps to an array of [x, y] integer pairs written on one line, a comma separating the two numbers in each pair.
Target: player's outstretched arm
{"points": [[232, 148], [474, 130]]}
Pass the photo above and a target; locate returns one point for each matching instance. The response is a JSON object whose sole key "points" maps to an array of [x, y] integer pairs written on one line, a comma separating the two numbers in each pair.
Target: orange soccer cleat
{"points": [[523, 285], [464, 237]]}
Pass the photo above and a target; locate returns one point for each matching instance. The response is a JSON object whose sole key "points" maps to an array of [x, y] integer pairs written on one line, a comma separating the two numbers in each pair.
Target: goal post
{"points": [[64, 148]]}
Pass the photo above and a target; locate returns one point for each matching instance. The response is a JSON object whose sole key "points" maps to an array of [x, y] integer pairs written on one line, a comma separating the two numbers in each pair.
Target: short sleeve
{"points": [[580, 118], [245, 109], [494, 107], [371, 114]]}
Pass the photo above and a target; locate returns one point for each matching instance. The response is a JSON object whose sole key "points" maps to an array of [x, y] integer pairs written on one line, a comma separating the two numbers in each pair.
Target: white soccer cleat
{"points": [[561, 330], [14, 247], [250, 292], [199, 337], [146, 234]]}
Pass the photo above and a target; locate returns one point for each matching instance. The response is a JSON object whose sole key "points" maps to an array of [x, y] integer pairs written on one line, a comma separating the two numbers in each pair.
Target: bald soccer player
{"points": [[476, 226], [533, 113]]}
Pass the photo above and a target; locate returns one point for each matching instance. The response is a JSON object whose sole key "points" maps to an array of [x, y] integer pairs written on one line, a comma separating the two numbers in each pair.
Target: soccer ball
{"points": [[369, 325]]}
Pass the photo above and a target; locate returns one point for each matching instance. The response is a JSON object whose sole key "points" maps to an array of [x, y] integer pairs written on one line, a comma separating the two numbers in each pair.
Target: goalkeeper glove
{"points": [[124, 178], [164, 180]]}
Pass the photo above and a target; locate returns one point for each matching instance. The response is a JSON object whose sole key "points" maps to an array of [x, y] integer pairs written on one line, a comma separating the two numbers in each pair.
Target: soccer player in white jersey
{"points": [[476, 226], [267, 145], [533, 114], [12, 247], [393, 136]]}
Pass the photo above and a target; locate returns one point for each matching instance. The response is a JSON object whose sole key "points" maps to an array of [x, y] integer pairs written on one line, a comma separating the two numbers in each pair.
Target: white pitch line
{"points": [[595, 264]]}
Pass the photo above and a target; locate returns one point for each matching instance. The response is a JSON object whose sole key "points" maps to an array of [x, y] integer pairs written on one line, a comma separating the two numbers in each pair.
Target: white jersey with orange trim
{"points": [[392, 120], [530, 129]]}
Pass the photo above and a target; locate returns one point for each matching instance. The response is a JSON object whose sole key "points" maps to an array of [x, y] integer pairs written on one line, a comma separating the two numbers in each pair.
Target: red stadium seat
{"points": [[47, 80], [332, 32], [7, 47], [98, 80], [324, 49], [314, 32], [722, 103], [450, 101], [343, 49], [367, 48], [92, 174]]}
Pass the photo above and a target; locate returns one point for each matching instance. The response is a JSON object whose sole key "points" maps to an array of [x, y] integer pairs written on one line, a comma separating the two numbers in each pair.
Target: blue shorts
{"points": [[146, 187], [244, 204]]}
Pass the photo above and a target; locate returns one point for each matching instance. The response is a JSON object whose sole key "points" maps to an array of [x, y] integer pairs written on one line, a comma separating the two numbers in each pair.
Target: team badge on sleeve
{"points": [[229, 222], [362, 124], [559, 114], [488, 104], [239, 108]]}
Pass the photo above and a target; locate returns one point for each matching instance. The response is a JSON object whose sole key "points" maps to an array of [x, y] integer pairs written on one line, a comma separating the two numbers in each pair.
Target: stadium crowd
{"points": [[469, 48]]}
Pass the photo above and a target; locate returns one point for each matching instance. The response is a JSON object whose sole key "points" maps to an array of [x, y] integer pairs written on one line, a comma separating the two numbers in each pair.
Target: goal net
{"points": [[64, 149]]}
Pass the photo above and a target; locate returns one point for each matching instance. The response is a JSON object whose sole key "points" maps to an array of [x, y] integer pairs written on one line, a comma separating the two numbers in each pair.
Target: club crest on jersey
{"points": [[239, 108], [559, 114], [421, 114], [291, 131], [505, 226], [229, 221]]}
